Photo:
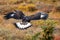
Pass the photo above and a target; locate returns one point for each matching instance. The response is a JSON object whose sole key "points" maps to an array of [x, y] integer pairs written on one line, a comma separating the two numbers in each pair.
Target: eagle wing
{"points": [[38, 16]]}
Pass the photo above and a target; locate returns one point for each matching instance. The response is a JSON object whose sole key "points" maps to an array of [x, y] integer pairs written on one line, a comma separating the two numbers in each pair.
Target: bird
{"points": [[17, 14]]}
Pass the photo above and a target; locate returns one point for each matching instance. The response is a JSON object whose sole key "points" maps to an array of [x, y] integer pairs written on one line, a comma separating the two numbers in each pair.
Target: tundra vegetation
{"points": [[40, 30]]}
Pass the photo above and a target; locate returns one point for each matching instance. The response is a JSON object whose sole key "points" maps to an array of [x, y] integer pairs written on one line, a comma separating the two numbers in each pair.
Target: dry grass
{"points": [[9, 32], [26, 7]]}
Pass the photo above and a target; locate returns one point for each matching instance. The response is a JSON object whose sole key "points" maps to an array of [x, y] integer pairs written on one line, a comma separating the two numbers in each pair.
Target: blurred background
{"points": [[9, 32]]}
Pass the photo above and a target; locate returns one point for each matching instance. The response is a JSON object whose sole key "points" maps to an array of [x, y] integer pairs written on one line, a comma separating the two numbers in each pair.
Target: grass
{"points": [[28, 7], [9, 32], [35, 36], [47, 33]]}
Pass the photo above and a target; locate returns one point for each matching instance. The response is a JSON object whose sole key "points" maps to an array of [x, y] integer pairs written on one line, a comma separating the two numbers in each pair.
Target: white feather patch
{"points": [[12, 14], [19, 25], [41, 16]]}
